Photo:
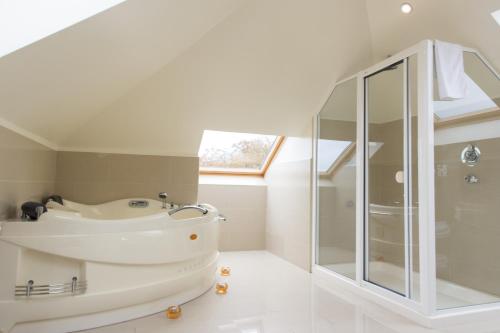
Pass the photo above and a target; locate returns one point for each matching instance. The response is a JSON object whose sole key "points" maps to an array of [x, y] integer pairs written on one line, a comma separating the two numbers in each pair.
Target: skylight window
{"points": [[475, 101], [496, 16], [481, 102], [333, 153], [23, 22], [329, 152], [236, 153]]}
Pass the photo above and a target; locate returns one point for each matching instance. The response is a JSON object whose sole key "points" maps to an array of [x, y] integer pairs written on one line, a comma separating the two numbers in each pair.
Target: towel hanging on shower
{"points": [[451, 78]]}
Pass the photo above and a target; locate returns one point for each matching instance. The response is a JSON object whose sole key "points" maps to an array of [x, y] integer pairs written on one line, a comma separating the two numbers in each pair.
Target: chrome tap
{"points": [[200, 208], [163, 197]]}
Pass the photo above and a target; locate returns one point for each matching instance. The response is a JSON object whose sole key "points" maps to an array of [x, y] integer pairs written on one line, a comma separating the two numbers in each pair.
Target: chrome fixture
{"points": [[197, 207], [138, 203], [163, 197], [470, 155], [471, 179], [222, 218], [30, 289]]}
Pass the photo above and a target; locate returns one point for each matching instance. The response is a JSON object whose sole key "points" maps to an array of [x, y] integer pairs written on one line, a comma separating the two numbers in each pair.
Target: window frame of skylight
{"points": [[247, 172]]}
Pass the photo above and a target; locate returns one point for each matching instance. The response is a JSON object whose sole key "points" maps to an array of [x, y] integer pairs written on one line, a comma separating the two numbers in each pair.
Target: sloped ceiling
{"points": [[52, 86], [265, 69], [148, 76]]}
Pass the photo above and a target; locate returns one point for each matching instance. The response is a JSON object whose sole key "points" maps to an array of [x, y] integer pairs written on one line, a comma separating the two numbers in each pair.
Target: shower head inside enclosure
{"points": [[470, 155]]}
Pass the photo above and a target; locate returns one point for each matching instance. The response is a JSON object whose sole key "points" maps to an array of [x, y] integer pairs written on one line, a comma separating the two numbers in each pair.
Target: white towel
{"points": [[452, 83]]}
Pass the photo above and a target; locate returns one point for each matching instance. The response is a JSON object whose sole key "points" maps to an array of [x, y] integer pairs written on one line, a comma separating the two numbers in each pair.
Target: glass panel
{"points": [[337, 181], [467, 195], [230, 151], [385, 234]]}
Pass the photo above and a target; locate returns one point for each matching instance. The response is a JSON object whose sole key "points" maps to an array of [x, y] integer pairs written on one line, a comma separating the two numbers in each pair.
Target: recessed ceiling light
{"points": [[496, 16], [406, 8]]}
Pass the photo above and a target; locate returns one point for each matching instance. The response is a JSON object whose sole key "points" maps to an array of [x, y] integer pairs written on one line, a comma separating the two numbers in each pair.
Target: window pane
{"points": [[235, 151], [336, 166]]}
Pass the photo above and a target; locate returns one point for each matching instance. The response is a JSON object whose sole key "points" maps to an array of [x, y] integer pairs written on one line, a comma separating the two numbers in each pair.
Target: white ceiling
{"points": [[466, 22], [148, 76]]}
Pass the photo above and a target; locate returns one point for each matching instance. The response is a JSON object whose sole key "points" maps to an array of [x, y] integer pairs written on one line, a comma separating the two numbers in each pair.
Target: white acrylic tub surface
{"points": [[128, 256]]}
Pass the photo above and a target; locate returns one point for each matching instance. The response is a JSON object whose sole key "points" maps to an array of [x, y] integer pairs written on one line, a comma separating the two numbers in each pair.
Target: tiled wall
{"points": [[467, 216], [245, 208], [95, 178], [27, 172]]}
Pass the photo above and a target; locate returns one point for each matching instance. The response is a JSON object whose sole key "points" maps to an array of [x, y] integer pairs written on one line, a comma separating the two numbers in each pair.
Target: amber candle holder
{"points": [[173, 312], [221, 288], [225, 271]]}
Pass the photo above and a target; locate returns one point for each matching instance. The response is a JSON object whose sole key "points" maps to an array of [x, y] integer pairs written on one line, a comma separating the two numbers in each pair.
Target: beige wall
{"points": [[27, 172], [288, 223], [467, 217], [95, 178], [245, 208]]}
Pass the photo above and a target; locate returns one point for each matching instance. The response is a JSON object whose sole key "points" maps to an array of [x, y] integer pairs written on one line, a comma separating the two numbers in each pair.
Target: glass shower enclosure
{"points": [[407, 204]]}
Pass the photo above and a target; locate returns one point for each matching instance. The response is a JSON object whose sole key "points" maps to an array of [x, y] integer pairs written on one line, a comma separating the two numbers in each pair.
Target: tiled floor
{"points": [[269, 295]]}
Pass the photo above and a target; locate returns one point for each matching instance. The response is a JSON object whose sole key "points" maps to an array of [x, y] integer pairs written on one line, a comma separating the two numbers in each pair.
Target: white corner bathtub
{"points": [[86, 266]]}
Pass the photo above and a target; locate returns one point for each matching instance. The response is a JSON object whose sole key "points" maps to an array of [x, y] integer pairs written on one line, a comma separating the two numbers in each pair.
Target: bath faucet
{"points": [[163, 197], [203, 210]]}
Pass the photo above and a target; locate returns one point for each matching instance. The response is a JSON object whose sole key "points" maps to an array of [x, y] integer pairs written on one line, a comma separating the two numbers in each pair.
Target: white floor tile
{"points": [[269, 295]]}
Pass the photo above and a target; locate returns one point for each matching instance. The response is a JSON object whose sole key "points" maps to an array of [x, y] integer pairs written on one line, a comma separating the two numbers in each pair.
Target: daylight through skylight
{"points": [[23, 22], [496, 16], [235, 152], [329, 151], [475, 101]]}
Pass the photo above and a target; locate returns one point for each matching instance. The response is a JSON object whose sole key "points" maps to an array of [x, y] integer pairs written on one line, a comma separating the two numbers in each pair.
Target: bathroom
{"points": [[367, 206]]}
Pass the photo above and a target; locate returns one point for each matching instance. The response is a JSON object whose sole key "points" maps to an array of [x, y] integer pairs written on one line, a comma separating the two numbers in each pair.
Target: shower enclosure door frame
{"points": [[424, 53]]}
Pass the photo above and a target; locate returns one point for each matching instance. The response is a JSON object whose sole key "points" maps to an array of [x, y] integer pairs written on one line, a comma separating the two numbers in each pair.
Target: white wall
{"points": [[288, 216], [243, 201]]}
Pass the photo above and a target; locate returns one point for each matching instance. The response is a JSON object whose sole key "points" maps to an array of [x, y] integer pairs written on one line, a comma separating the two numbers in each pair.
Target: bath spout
{"points": [[197, 207]]}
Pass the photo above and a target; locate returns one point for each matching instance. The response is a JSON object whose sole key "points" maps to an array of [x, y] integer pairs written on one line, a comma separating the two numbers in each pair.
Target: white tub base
{"points": [[100, 319], [99, 307]]}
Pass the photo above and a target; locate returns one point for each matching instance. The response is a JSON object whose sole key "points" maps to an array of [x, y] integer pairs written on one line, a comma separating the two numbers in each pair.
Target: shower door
{"points": [[390, 158]]}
